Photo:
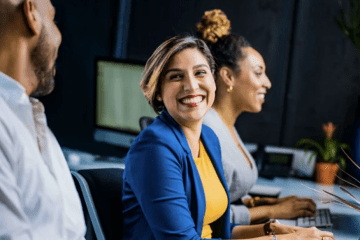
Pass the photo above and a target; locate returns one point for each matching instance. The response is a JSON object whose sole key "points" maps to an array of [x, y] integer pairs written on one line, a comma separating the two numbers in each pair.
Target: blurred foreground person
{"points": [[241, 84], [174, 185], [38, 199]]}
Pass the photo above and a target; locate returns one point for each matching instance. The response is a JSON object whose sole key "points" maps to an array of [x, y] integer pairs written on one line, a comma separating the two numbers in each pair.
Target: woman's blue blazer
{"points": [[163, 196]]}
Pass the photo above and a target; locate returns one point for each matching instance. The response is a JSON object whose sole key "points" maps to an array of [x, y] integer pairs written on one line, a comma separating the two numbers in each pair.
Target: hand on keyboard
{"points": [[293, 207], [321, 220]]}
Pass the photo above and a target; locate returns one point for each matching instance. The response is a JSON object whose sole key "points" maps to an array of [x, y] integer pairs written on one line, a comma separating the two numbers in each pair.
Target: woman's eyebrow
{"points": [[201, 65], [180, 70], [172, 70], [258, 66]]}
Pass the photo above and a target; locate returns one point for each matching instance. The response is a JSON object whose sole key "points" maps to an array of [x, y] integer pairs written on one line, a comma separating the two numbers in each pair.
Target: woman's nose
{"points": [[190, 84], [267, 82]]}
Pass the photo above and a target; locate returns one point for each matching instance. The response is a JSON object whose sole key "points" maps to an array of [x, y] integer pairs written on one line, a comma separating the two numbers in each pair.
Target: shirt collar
{"points": [[27, 109], [12, 91]]}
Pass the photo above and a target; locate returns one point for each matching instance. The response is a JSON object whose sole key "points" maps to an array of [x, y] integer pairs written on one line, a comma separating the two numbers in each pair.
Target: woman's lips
{"points": [[192, 100]]}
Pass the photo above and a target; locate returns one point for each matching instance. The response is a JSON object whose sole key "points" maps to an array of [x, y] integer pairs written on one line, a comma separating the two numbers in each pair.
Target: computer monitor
{"points": [[119, 101]]}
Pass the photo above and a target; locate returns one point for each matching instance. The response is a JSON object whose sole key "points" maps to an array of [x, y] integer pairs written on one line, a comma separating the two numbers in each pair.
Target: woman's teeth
{"points": [[191, 100], [262, 96]]}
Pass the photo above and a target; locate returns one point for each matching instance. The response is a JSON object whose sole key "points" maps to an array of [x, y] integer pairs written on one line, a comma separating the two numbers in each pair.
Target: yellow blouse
{"points": [[215, 195]]}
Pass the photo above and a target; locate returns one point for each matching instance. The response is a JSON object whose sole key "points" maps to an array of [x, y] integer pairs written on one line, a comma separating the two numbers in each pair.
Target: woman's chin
{"points": [[255, 109]]}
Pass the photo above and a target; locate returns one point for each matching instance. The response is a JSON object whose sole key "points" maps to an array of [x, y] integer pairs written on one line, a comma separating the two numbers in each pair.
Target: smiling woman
{"points": [[174, 185], [242, 84]]}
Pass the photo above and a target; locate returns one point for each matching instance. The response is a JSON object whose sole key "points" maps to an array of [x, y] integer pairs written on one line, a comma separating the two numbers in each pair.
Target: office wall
{"points": [[266, 24], [324, 75], [313, 68], [88, 29]]}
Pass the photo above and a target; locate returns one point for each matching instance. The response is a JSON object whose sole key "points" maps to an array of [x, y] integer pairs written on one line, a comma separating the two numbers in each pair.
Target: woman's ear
{"points": [[32, 17], [227, 76]]}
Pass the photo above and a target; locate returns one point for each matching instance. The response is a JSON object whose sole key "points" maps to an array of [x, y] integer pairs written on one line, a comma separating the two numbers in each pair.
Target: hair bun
{"points": [[213, 25]]}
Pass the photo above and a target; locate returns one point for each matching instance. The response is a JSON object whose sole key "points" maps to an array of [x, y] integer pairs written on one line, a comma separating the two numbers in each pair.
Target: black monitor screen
{"points": [[280, 158]]}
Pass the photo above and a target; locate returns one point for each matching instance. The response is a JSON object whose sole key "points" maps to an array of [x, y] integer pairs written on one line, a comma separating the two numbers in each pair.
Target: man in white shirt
{"points": [[38, 199]]}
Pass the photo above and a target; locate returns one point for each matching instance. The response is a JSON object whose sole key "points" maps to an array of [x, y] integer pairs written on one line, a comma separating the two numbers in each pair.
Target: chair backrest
{"points": [[93, 227], [105, 187], [145, 121]]}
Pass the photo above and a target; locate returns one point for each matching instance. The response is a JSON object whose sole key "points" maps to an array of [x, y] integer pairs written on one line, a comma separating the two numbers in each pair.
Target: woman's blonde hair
{"points": [[156, 64], [213, 25]]}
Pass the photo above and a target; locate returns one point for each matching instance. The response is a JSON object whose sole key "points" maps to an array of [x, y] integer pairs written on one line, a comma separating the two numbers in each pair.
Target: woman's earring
{"points": [[229, 89]]}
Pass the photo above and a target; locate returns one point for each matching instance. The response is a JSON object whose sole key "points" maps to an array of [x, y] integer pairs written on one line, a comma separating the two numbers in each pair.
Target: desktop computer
{"points": [[119, 101]]}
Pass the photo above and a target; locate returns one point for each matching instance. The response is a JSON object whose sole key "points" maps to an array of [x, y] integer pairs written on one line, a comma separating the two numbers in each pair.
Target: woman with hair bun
{"points": [[241, 84]]}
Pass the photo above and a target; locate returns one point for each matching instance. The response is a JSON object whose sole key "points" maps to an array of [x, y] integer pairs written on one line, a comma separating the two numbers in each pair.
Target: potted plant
{"points": [[328, 154]]}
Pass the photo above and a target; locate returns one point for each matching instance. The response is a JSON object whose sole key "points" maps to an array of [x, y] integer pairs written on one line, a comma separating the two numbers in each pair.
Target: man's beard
{"points": [[40, 58]]}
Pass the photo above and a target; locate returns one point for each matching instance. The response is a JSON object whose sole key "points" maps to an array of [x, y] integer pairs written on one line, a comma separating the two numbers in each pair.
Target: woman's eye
{"points": [[258, 73], [174, 77], [202, 72]]}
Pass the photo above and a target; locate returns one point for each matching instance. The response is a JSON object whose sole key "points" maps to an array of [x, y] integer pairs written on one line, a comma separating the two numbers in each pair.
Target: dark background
{"points": [[314, 69]]}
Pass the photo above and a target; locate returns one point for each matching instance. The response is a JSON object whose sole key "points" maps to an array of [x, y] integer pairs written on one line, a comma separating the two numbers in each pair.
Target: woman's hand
{"points": [[282, 232], [293, 207], [279, 228], [271, 200], [307, 234]]}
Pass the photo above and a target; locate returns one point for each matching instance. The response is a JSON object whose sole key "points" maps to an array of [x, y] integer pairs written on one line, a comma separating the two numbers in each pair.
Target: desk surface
{"points": [[346, 221]]}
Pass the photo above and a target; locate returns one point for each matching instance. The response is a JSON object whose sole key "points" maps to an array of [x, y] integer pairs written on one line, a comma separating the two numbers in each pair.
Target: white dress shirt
{"points": [[38, 198]]}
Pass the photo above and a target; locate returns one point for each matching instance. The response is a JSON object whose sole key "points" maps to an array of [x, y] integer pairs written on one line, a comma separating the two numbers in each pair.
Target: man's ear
{"points": [[32, 17], [227, 75]]}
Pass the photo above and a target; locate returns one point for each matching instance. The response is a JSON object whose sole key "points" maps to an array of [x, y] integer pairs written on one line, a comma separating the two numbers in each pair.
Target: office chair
{"points": [[145, 121], [93, 226], [102, 192]]}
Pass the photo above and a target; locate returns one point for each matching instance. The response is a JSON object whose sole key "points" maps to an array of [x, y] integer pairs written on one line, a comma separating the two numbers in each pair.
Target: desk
{"points": [[78, 160], [346, 221], [96, 166]]}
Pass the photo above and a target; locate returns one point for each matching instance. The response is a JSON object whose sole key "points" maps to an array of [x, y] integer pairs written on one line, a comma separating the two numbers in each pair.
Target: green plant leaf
{"points": [[326, 156], [311, 143], [331, 146], [352, 13], [351, 29], [357, 11], [342, 15], [345, 146], [342, 162], [311, 156], [342, 27]]}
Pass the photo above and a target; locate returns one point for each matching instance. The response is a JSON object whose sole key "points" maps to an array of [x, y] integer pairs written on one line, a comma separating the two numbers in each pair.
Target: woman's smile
{"points": [[192, 100]]}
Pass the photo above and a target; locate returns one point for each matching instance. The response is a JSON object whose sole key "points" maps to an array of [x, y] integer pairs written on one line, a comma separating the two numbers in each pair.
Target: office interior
{"points": [[313, 67]]}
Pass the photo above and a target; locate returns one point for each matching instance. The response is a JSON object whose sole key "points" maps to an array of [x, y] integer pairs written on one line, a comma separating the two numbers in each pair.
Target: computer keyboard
{"points": [[321, 220]]}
